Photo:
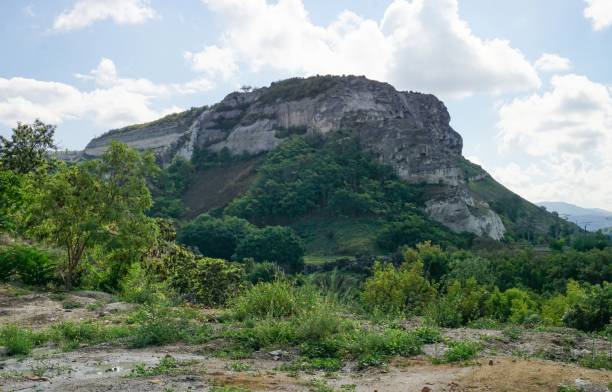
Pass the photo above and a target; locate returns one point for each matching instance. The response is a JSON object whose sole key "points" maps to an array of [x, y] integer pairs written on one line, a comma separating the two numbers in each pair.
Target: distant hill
{"points": [[592, 218]]}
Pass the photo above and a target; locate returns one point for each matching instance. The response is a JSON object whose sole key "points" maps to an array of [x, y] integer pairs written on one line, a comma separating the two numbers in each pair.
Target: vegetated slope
{"points": [[407, 131], [523, 219], [592, 218]]}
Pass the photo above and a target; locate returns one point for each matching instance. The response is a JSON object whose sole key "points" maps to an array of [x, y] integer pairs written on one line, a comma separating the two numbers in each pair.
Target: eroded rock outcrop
{"points": [[407, 130]]}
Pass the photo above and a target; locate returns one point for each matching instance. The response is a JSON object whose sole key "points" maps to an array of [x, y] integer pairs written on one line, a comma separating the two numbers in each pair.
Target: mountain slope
{"points": [[408, 131], [592, 219]]}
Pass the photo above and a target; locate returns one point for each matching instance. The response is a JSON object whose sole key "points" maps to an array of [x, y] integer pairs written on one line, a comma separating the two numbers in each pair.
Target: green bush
{"points": [[273, 243], [156, 326], [514, 305], [18, 341], [461, 304], [215, 237], [273, 300], [593, 311], [27, 264], [263, 272], [397, 290], [211, 282], [374, 349], [461, 351]]}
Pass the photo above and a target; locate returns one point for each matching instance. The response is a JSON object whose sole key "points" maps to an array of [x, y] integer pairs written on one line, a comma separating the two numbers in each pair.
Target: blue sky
{"points": [[541, 124]]}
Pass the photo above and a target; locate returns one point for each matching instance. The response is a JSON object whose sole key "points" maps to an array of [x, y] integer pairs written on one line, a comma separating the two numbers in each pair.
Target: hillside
{"points": [[592, 219], [407, 131]]}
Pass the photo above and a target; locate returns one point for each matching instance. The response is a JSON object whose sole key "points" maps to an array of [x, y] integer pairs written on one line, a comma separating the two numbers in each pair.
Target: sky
{"points": [[528, 84]]}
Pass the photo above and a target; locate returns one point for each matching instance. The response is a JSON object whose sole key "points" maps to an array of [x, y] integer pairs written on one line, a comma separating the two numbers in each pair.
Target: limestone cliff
{"points": [[407, 130]]}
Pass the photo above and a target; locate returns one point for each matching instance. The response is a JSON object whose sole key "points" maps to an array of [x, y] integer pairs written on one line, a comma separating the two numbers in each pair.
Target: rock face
{"points": [[407, 130]]}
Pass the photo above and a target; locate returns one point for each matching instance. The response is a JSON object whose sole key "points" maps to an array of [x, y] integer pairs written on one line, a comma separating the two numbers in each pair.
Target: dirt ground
{"points": [[504, 364]]}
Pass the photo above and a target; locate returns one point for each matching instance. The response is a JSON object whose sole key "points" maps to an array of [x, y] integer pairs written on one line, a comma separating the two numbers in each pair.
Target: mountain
{"points": [[408, 131], [592, 218]]}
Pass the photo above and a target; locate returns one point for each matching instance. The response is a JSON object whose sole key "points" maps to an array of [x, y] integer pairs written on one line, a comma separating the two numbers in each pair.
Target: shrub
{"points": [[27, 264], [397, 290], [514, 305], [275, 299], [592, 312], [263, 272], [156, 326], [18, 341], [374, 349], [139, 287], [274, 243], [208, 281], [215, 237], [461, 304], [461, 351], [70, 335]]}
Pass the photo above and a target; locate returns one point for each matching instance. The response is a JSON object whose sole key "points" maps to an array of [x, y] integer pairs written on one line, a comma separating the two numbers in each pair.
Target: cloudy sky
{"points": [[528, 83]]}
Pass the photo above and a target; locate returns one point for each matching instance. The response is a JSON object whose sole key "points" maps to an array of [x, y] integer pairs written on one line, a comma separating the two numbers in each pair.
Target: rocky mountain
{"points": [[408, 130], [592, 219]]}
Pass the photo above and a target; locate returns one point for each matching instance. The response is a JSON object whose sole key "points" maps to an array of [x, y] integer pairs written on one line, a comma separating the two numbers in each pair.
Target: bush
{"points": [[461, 351], [273, 300], [211, 282], [274, 243], [514, 305], [263, 272], [27, 264], [18, 341], [397, 290], [374, 349], [592, 312], [215, 237], [461, 304], [156, 326]]}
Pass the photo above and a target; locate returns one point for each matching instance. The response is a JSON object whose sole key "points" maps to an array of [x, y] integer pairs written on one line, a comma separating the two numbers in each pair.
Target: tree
{"points": [[28, 147], [97, 203], [10, 198], [215, 237], [273, 243]]}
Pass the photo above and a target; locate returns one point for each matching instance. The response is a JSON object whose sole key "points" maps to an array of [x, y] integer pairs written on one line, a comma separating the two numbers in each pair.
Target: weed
{"points": [[156, 326], [71, 304], [428, 335], [461, 351], [166, 365], [18, 341], [513, 333], [238, 366], [597, 361], [567, 388]]}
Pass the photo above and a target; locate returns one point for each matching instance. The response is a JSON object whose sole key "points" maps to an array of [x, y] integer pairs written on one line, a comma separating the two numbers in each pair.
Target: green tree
{"points": [[10, 198], [28, 147], [97, 203], [215, 237], [273, 243]]}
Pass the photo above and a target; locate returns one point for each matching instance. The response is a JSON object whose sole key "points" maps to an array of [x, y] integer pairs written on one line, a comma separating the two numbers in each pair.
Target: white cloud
{"points": [[419, 44], [114, 101], [85, 12], [551, 62], [567, 132], [599, 12]]}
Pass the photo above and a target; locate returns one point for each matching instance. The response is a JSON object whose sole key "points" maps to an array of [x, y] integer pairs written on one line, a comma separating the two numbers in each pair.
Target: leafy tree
{"points": [[215, 237], [588, 241], [395, 290], [593, 311], [168, 186], [10, 198], [28, 147], [273, 243], [97, 203], [462, 303]]}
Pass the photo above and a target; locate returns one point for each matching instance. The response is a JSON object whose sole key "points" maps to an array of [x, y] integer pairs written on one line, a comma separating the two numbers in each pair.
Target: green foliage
{"points": [[10, 198], [273, 243], [514, 305], [208, 281], [597, 361], [168, 185], [273, 300], [294, 89], [374, 349], [398, 290], [588, 241], [167, 365], [215, 237], [461, 304], [263, 272], [17, 341], [28, 148], [461, 351], [156, 326], [97, 203], [27, 264], [592, 311]]}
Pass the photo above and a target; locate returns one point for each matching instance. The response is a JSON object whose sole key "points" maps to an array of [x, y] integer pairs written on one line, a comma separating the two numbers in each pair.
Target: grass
{"points": [[17, 341], [238, 366], [460, 352], [597, 361], [167, 365]]}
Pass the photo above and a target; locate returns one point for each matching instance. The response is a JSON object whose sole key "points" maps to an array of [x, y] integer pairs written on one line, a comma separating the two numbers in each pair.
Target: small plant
{"points": [[513, 333], [18, 341], [567, 388], [71, 304], [167, 365], [461, 351], [597, 361], [428, 335], [238, 366], [156, 326]]}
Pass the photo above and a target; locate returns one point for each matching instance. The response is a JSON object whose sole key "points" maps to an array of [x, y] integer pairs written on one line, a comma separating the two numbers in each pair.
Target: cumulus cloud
{"points": [[567, 132], [599, 12], [551, 62], [85, 12], [418, 44], [113, 102]]}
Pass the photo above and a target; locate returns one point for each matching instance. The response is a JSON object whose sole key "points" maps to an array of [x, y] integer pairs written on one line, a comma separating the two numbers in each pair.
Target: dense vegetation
{"points": [[90, 225]]}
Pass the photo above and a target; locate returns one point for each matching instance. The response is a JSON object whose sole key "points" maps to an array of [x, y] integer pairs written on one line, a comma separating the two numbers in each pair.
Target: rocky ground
{"points": [[512, 360]]}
